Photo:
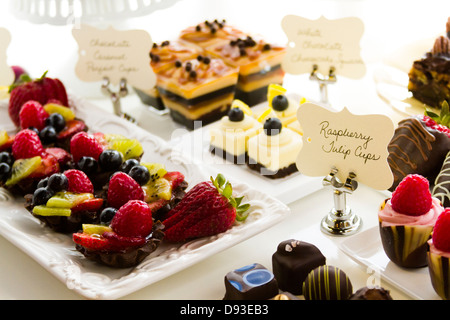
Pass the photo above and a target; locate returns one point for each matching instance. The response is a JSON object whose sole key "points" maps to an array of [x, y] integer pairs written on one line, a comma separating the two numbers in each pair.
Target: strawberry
{"points": [[32, 114], [441, 235], [40, 90], [207, 209], [133, 219], [49, 165], [26, 144], [84, 144], [78, 181], [119, 242], [90, 242], [72, 128], [412, 196], [175, 178], [61, 155], [122, 188], [93, 204]]}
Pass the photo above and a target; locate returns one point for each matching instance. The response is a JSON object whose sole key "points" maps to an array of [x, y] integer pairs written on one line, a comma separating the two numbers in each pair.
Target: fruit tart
{"points": [[64, 201], [439, 254], [24, 161], [123, 238], [406, 222]]}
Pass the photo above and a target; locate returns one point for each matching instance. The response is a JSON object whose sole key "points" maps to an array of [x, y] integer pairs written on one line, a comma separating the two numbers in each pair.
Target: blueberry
{"points": [[236, 114], [88, 165], [42, 183], [56, 121], [34, 129], [41, 196], [280, 103], [128, 164], [5, 171], [58, 182], [272, 126], [140, 174], [6, 157], [107, 215], [110, 160], [48, 135]]}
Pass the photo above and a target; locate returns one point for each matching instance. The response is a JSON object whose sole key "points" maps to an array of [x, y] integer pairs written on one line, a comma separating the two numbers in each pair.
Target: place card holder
{"points": [[341, 220], [115, 97], [323, 81]]}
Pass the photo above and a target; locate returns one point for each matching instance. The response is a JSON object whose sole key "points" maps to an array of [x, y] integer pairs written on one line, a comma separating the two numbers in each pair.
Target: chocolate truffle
{"points": [[292, 262], [327, 283], [251, 282], [371, 293], [441, 188]]}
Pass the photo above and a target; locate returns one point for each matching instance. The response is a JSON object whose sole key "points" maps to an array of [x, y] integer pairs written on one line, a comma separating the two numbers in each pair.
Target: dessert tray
{"points": [[56, 252], [287, 189], [366, 249]]}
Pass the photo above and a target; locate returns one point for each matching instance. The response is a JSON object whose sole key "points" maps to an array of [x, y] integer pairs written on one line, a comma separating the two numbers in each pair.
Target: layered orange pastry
{"points": [[209, 33], [273, 152], [259, 65], [163, 56], [197, 91], [229, 136]]}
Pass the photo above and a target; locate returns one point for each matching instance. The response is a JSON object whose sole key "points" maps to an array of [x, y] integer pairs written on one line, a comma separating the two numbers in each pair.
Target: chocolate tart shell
{"points": [[406, 246], [129, 257], [439, 269]]}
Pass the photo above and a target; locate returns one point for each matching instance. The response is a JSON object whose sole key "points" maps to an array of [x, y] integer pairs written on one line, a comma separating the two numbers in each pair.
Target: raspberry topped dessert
{"points": [[406, 221], [439, 255], [420, 145], [429, 79]]}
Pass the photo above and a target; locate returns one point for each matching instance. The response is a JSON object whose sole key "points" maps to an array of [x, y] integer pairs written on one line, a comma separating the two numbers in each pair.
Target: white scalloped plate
{"points": [[56, 252]]}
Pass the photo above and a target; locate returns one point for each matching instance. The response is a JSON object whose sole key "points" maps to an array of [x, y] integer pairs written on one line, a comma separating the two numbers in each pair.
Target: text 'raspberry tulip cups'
{"points": [[406, 222]]}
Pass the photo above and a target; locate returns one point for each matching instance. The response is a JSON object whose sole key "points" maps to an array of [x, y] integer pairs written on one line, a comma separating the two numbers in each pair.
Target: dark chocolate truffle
{"points": [[371, 293], [292, 262], [327, 283], [251, 282]]}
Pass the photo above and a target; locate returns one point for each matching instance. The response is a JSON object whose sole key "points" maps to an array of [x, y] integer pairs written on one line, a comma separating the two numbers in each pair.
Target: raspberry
{"points": [[412, 196], [84, 144], [122, 188], [133, 219], [441, 236], [32, 114], [78, 181], [27, 145]]}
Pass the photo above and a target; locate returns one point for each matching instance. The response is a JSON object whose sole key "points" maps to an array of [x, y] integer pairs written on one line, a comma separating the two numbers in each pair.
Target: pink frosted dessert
{"points": [[406, 221]]}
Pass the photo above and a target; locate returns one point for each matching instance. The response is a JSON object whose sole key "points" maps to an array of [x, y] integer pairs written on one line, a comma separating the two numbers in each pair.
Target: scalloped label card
{"points": [[6, 72], [114, 54], [348, 142], [325, 43]]}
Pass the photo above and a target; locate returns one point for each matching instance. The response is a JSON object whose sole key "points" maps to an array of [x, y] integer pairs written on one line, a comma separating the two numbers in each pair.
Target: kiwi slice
{"points": [[159, 189], [95, 228], [130, 148], [66, 199], [157, 170], [22, 168], [43, 210], [66, 112]]}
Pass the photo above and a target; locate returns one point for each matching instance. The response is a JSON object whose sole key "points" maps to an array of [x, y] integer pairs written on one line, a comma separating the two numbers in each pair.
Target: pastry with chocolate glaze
{"points": [[419, 145], [259, 64], [327, 283], [197, 91], [429, 77], [251, 282], [371, 293], [293, 261], [406, 222], [441, 189]]}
